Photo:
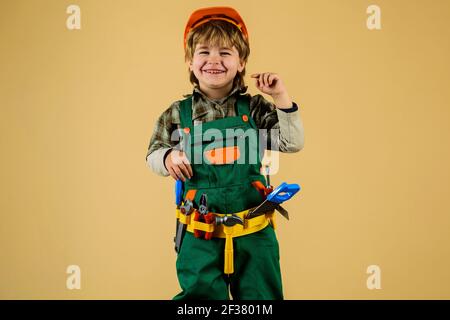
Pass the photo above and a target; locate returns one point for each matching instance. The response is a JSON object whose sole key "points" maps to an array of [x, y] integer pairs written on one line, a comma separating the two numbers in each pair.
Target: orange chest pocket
{"points": [[224, 155]]}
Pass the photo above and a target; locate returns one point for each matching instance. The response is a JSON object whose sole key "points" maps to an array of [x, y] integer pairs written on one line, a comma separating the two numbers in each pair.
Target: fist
{"points": [[178, 165]]}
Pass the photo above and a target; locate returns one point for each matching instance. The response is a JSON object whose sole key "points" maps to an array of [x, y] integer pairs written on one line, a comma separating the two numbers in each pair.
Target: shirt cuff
{"points": [[164, 158], [292, 109], [155, 161]]}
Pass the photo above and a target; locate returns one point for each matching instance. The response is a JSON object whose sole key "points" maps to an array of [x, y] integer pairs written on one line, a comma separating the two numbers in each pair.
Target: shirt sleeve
{"points": [[163, 140], [284, 127]]}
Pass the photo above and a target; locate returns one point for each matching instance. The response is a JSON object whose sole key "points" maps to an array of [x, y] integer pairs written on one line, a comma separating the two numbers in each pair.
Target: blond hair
{"points": [[218, 33]]}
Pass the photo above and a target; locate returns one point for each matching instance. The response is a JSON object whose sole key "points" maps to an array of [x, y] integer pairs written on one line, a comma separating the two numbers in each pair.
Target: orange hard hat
{"points": [[200, 16]]}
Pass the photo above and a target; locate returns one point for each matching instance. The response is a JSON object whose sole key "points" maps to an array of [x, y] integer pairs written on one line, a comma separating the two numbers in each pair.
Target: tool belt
{"points": [[249, 226]]}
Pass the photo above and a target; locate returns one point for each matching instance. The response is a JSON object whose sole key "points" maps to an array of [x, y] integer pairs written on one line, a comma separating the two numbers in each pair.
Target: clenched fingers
{"points": [[186, 169]]}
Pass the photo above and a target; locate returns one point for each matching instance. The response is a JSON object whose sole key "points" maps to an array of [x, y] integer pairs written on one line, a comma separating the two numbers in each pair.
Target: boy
{"points": [[223, 250]]}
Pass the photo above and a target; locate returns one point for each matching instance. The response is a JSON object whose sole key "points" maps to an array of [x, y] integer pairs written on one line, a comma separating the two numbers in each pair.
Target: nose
{"points": [[214, 58]]}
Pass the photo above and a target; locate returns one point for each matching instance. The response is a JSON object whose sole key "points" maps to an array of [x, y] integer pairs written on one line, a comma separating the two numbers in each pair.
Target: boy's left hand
{"points": [[271, 84]]}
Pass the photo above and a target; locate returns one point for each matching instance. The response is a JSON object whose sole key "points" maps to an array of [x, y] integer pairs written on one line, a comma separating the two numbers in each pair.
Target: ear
{"points": [[241, 65], [189, 64]]}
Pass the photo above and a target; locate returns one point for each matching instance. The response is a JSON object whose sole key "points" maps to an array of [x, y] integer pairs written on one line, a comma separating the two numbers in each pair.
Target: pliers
{"points": [[203, 215]]}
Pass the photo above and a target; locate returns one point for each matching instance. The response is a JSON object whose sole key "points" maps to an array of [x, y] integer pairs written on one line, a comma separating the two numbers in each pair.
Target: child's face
{"points": [[215, 67]]}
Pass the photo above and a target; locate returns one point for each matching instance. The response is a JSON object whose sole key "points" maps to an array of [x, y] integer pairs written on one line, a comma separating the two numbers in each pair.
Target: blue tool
{"points": [[178, 192], [180, 228], [281, 194]]}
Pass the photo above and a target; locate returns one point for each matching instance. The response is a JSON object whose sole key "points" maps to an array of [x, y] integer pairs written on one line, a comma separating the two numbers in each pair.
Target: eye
{"points": [[202, 52], [226, 53]]}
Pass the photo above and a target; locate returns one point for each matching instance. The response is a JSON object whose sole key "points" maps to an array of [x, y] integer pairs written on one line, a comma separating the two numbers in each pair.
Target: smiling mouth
{"points": [[214, 71]]}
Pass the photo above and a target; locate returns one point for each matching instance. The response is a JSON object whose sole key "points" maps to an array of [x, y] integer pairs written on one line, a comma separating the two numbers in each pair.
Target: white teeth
{"points": [[213, 72]]}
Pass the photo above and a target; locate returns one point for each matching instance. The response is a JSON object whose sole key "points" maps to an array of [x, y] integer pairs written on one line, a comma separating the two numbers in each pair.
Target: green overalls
{"points": [[229, 189]]}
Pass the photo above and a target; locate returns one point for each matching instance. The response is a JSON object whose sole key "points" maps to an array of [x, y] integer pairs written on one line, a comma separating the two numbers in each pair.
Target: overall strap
{"points": [[243, 109], [242, 105], [186, 112]]}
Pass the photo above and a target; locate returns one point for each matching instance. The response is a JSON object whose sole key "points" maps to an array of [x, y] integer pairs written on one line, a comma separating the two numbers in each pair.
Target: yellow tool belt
{"points": [[221, 231]]}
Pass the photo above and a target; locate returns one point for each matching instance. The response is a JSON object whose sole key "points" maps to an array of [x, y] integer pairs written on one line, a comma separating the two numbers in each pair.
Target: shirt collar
{"points": [[220, 101], [201, 102]]}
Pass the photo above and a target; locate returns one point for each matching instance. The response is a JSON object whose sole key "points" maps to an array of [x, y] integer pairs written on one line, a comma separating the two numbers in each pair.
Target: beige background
{"points": [[78, 109]]}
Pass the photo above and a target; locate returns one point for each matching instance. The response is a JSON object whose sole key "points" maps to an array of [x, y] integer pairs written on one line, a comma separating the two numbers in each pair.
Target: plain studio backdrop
{"points": [[78, 109]]}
